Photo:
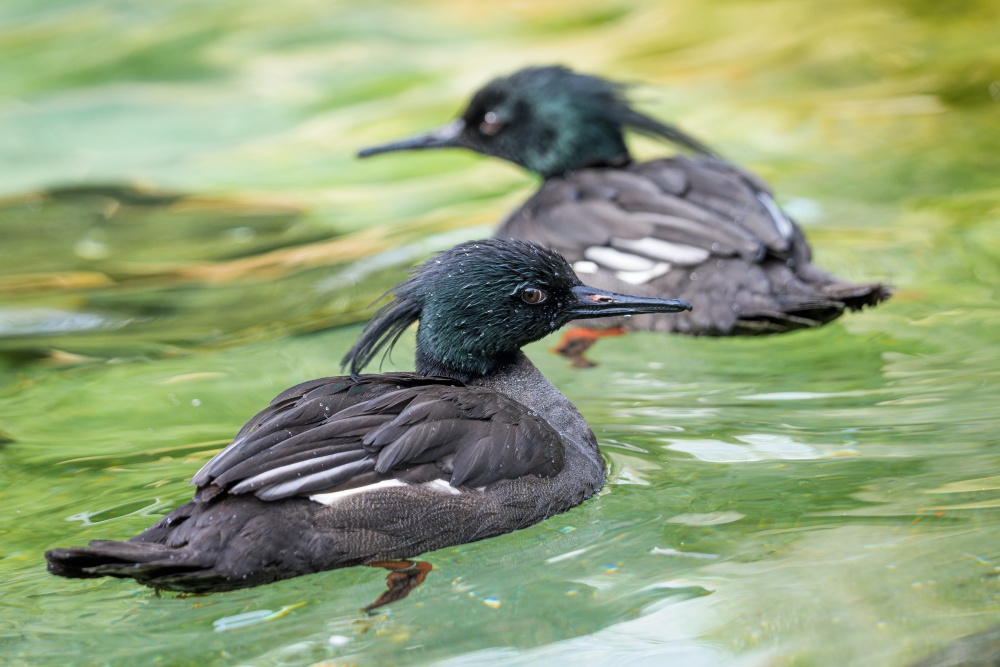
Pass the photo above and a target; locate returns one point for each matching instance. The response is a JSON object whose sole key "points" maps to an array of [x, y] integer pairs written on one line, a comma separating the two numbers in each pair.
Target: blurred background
{"points": [[184, 232]]}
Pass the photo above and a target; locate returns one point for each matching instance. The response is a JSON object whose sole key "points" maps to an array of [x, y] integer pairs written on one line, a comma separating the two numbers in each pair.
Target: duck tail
{"points": [[142, 561], [856, 297], [222, 544]]}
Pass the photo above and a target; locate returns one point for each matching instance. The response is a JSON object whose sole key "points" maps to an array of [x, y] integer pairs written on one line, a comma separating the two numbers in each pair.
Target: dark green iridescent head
{"points": [[547, 119], [480, 302]]}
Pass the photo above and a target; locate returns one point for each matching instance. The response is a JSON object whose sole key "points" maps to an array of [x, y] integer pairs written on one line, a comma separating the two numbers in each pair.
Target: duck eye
{"points": [[533, 295], [491, 124]]}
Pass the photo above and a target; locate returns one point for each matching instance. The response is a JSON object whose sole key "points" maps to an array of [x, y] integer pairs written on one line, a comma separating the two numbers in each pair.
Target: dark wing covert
{"points": [[340, 433]]}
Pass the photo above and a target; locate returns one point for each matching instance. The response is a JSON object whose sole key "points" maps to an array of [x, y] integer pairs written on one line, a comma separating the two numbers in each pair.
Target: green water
{"points": [[829, 497]]}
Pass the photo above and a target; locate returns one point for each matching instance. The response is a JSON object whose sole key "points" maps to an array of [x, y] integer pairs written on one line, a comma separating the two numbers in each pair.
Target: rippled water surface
{"points": [[184, 232]]}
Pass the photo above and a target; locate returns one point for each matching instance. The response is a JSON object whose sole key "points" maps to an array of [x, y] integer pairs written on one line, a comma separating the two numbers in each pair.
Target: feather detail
{"points": [[376, 428]]}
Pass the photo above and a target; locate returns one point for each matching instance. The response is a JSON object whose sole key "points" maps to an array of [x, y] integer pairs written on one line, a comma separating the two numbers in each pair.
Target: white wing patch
{"points": [[334, 496], [783, 224], [636, 269], [643, 277], [617, 260], [666, 251], [439, 485]]}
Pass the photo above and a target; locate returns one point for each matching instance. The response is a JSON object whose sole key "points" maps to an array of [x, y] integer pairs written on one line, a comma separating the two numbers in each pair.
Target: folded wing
{"points": [[696, 228], [340, 433]]}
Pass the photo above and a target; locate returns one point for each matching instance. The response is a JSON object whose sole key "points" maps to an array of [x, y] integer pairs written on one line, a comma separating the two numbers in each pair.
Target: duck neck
{"points": [[616, 162], [521, 381], [598, 150], [428, 364], [453, 356], [518, 379]]}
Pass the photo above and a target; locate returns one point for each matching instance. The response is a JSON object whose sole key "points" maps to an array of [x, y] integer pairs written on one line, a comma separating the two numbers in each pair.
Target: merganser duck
{"points": [[370, 469], [698, 228]]}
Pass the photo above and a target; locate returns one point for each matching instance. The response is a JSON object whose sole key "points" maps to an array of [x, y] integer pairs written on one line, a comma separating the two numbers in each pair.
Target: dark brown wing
{"points": [[695, 228], [340, 433]]}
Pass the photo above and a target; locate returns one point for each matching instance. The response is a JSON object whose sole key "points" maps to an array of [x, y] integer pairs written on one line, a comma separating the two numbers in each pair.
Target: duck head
{"points": [[480, 302], [549, 120]]}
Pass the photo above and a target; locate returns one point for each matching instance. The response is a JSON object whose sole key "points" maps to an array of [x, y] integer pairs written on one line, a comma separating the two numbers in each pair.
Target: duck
{"points": [[375, 469], [694, 226]]}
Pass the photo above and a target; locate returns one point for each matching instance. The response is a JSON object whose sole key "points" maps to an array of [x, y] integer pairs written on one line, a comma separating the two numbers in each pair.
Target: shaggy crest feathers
{"points": [[382, 331], [649, 126]]}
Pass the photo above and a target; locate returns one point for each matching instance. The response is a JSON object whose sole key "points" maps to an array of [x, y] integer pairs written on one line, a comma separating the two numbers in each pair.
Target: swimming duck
{"points": [[371, 469], [695, 227]]}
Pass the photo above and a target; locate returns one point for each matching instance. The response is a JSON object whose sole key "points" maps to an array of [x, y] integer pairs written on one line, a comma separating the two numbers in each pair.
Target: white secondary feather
{"points": [[334, 496], [643, 277], [617, 260], [783, 224], [439, 485], [675, 253]]}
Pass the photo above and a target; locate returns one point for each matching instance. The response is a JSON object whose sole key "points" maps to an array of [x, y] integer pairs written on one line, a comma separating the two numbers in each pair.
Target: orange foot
{"points": [[575, 342], [403, 577]]}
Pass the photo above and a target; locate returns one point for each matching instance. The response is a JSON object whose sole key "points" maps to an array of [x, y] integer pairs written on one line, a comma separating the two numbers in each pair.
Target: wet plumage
{"points": [[363, 469]]}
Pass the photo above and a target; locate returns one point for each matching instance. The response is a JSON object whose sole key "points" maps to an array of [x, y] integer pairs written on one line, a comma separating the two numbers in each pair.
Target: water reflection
{"points": [[826, 498]]}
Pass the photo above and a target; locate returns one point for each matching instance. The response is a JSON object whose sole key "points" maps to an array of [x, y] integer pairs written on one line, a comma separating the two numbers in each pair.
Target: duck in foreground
{"points": [[370, 469], [698, 228]]}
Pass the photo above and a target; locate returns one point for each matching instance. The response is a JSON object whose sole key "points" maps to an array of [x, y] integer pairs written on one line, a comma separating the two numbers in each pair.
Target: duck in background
{"points": [[695, 227], [372, 469]]}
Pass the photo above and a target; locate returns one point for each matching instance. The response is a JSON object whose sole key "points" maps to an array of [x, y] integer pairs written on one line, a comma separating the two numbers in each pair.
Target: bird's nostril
{"points": [[600, 298]]}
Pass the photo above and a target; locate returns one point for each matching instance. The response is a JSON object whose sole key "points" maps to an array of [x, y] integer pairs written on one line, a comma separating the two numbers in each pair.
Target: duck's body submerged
{"points": [[698, 227], [354, 470], [450, 463]]}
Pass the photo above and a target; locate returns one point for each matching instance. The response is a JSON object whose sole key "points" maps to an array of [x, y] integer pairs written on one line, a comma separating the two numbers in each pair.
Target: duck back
{"points": [[699, 228]]}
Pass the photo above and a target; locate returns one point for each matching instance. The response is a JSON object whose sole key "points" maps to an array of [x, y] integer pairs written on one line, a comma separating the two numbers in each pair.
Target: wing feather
{"points": [[696, 228], [338, 433]]}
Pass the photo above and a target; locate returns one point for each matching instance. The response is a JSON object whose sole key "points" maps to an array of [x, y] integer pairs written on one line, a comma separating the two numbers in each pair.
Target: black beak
{"points": [[447, 136], [593, 302]]}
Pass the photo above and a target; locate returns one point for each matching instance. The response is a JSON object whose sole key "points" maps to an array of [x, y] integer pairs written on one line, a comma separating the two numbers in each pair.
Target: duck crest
{"points": [[472, 316], [383, 331], [555, 120]]}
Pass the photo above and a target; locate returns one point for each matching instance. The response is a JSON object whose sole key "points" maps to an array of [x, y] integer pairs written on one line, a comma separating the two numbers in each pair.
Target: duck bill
{"points": [[592, 302], [447, 136]]}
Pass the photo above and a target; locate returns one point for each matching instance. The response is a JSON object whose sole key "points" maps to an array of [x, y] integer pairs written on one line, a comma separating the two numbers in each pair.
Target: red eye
{"points": [[533, 295], [491, 124]]}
